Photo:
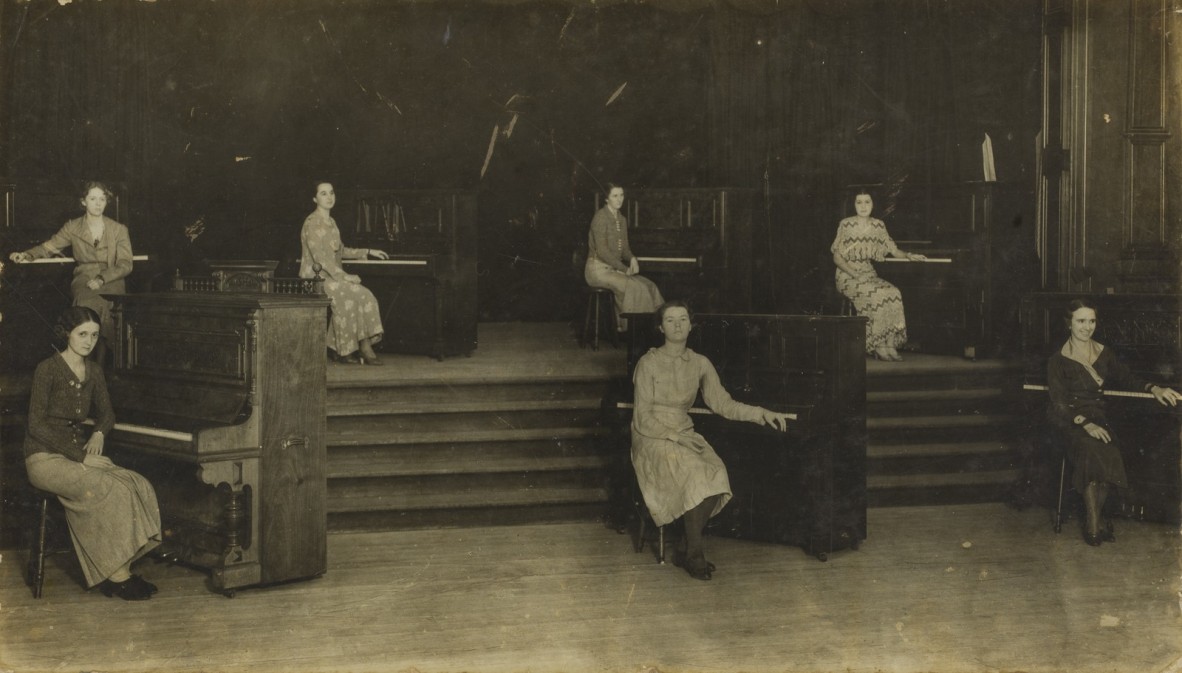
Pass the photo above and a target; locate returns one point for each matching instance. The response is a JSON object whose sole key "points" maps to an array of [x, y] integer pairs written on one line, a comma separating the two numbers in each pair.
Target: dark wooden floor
{"points": [[942, 589]]}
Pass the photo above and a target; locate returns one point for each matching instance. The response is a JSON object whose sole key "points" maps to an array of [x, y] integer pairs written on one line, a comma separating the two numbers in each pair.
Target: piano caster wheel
{"points": [[822, 557], [229, 593]]}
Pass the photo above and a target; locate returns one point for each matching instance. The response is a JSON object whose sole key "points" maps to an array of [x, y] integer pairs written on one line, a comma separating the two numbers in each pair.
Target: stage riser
{"points": [[448, 458], [421, 492], [459, 422], [417, 396], [462, 453], [943, 435]]}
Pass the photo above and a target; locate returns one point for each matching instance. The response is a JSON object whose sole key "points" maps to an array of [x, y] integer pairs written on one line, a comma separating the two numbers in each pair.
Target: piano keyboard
{"points": [[396, 262], [1111, 393], [692, 410], [70, 260], [150, 431], [930, 260], [669, 260]]}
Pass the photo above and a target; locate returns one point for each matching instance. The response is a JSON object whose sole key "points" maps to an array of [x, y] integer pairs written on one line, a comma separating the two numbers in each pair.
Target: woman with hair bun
{"points": [[113, 515]]}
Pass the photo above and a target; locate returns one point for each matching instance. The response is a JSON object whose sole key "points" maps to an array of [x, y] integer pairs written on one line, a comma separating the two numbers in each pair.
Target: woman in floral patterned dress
{"points": [[862, 239], [356, 323]]}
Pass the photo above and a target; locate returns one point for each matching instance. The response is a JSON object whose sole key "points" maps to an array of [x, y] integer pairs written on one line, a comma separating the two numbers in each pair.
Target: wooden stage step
{"points": [[941, 430]]}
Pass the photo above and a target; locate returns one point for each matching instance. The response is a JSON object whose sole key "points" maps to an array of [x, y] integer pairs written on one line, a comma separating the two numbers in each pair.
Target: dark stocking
{"points": [[1092, 503], [695, 522]]}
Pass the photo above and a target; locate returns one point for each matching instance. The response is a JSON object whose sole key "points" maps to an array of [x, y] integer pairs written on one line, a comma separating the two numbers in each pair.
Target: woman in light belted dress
{"points": [[102, 250], [611, 264], [679, 473], [112, 511], [356, 323]]}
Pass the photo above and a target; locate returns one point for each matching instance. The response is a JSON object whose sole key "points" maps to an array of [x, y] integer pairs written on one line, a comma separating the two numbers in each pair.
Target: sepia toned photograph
{"points": [[591, 336]]}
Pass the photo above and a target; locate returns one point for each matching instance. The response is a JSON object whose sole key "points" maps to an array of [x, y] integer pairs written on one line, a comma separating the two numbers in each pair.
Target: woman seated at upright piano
{"points": [[113, 516], [861, 240], [611, 264], [356, 322], [679, 473], [102, 250], [1077, 375]]}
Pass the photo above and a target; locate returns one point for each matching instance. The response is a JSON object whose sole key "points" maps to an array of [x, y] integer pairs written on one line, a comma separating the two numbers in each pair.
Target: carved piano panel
{"points": [[694, 243], [806, 487], [219, 398], [1146, 332], [427, 289]]}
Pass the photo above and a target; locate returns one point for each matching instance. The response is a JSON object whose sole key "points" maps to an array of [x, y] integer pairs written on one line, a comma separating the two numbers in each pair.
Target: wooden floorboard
{"points": [[941, 589]]}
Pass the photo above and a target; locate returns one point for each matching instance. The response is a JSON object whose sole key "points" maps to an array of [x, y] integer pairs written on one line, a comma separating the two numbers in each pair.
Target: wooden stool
{"points": [[40, 548], [644, 519], [594, 317]]}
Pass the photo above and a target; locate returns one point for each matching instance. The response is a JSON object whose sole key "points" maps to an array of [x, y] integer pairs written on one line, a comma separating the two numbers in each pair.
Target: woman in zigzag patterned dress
{"points": [[861, 240]]}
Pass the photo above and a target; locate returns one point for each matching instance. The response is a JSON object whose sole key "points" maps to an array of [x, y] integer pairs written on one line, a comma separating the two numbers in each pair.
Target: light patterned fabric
{"points": [[673, 478], [355, 312], [861, 243]]}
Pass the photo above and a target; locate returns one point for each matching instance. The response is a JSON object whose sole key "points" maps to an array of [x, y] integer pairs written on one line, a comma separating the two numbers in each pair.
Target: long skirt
{"points": [[355, 316], [1093, 460], [112, 512], [674, 479], [633, 294], [879, 301]]}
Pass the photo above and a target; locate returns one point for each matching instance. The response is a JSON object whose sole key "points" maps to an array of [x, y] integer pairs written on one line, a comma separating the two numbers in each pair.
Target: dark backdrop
{"points": [[228, 111]]}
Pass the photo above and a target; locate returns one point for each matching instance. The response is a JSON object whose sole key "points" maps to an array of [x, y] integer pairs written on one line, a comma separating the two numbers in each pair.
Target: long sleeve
{"points": [[52, 419], [56, 245], [644, 420], [121, 268], [1061, 410], [603, 243], [720, 401]]}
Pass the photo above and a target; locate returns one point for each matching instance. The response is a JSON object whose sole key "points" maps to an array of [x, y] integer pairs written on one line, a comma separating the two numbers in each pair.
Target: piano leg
{"points": [[239, 563]]}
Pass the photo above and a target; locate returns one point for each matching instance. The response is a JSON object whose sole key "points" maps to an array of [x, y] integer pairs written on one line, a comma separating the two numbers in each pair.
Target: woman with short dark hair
{"points": [[611, 264], [679, 473], [112, 512], [1077, 376]]}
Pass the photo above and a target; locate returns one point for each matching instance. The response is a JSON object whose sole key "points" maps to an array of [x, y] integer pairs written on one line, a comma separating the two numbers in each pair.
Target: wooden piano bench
{"points": [[49, 515]]}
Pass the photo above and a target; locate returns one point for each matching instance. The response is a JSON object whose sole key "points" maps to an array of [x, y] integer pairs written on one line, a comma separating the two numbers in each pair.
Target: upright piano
{"points": [[805, 487], [427, 289], [985, 230], [1145, 331], [219, 400], [694, 243]]}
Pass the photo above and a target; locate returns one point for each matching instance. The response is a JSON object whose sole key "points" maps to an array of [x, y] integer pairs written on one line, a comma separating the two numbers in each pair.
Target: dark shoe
{"points": [[127, 590], [698, 571], [143, 584], [1092, 540], [375, 360], [350, 359]]}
